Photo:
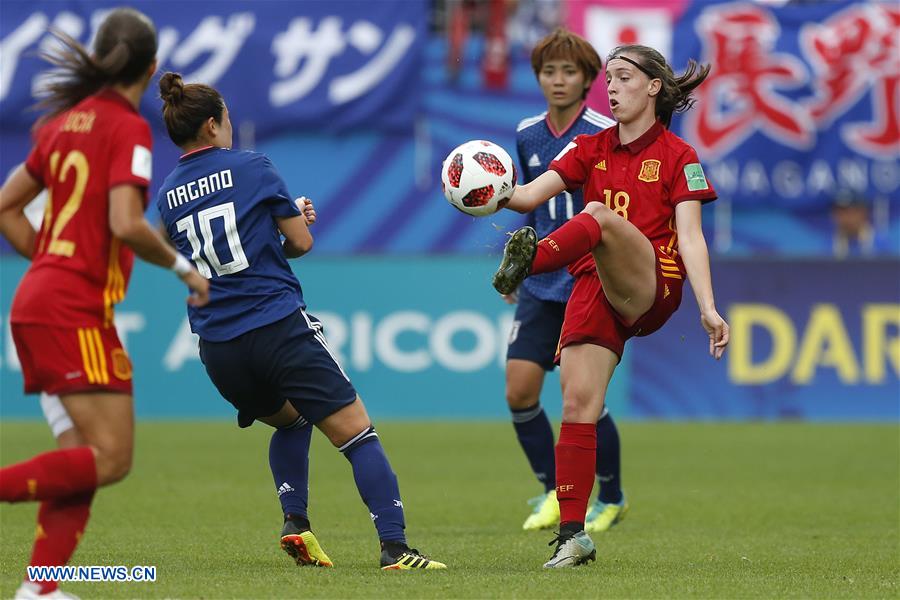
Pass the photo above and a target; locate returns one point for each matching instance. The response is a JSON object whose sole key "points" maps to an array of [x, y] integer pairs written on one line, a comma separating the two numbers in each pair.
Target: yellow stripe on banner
{"points": [[85, 357], [670, 268], [668, 261], [101, 355], [671, 275]]}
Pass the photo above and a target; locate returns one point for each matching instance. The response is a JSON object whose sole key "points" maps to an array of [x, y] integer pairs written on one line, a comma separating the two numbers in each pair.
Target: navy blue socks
{"points": [[289, 461], [536, 438], [609, 469], [377, 484]]}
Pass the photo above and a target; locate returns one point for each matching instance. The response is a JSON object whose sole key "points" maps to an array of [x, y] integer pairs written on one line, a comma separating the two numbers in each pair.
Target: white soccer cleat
{"points": [[571, 551]]}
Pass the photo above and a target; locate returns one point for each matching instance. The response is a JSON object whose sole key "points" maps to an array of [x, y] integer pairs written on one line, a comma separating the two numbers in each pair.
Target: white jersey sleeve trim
{"points": [[595, 118], [529, 121]]}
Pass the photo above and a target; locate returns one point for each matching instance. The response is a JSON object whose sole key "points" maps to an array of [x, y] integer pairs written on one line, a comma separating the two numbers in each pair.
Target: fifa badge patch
{"points": [[649, 170], [696, 180], [142, 162]]}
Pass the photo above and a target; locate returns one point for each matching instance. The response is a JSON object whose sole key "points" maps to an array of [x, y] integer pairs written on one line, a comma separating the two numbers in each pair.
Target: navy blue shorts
{"points": [[285, 360], [535, 331]]}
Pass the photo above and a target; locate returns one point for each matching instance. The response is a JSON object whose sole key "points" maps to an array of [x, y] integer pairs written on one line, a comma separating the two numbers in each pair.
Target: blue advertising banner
{"points": [[283, 65], [426, 338], [815, 340], [420, 338]]}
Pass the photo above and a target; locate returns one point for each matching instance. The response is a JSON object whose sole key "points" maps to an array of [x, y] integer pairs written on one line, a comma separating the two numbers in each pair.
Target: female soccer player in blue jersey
{"points": [[565, 66], [227, 210]]}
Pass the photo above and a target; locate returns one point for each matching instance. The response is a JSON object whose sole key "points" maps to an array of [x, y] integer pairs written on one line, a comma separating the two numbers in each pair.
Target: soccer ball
{"points": [[478, 177]]}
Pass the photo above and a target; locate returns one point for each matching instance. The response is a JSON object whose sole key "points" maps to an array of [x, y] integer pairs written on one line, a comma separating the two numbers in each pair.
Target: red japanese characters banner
{"points": [[802, 100]]}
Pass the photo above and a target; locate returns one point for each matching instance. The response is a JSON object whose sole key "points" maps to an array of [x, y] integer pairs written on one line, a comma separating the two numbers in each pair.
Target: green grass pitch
{"points": [[717, 510]]}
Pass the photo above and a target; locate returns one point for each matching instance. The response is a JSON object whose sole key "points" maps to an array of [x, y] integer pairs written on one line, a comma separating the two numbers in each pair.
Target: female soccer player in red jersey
{"points": [[629, 251], [92, 153], [566, 66]]}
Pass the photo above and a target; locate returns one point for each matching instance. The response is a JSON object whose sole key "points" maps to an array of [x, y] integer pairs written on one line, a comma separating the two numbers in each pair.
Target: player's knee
{"points": [[519, 398], [595, 209], [113, 465], [599, 211], [580, 406], [120, 469]]}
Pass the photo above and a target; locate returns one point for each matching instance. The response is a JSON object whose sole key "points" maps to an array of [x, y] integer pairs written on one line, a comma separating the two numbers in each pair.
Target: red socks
{"points": [[576, 458], [49, 476], [567, 244], [65, 481], [60, 524]]}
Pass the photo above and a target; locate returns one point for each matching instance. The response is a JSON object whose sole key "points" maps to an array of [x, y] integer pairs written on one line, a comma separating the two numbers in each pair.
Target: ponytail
{"points": [[124, 49]]}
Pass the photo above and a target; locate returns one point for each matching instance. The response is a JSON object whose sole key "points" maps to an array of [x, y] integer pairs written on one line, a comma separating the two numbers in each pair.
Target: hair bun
{"points": [[171, 88]]}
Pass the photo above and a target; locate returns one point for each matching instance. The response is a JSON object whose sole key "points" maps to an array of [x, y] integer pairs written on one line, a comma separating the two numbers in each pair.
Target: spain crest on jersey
{"points": [[649, 170]]}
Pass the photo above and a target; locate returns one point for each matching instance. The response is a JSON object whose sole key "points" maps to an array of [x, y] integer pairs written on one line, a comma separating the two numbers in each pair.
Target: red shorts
{"points": [[67, 360], [591, 319]]}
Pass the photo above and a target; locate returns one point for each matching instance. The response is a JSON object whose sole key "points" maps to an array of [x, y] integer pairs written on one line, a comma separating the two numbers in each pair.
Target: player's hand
{"points": [[511, 298], [199, 288], [307, 209], [717, 329]]}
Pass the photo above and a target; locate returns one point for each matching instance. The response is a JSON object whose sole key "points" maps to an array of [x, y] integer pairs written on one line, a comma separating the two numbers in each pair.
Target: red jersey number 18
{"points": [[618, 203]]}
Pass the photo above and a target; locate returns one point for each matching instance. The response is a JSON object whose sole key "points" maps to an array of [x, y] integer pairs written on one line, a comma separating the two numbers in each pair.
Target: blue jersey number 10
{"points": [[205, 217]]}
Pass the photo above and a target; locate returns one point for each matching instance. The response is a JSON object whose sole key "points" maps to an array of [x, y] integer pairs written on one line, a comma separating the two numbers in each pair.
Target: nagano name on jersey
{"points": [[219, 207]]}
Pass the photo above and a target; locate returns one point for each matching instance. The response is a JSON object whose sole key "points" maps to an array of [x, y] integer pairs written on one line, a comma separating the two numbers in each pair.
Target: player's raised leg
{"points": [[524, 255], [351, 431]]}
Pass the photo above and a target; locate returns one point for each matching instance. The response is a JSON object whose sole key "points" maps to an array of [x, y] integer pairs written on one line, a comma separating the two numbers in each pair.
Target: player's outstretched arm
{"points": [[20, 189], [528, 196], [695, 254], [127, 222]]}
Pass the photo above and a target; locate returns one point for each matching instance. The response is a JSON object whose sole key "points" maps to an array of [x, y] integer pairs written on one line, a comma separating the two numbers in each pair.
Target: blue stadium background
{"points": [[401, 280]]}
